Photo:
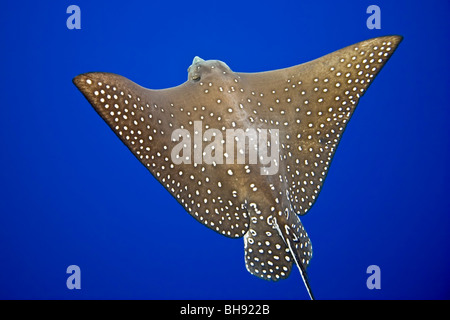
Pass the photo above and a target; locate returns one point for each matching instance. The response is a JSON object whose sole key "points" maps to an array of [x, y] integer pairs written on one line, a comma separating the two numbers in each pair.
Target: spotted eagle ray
{"points": [[304, 110]]}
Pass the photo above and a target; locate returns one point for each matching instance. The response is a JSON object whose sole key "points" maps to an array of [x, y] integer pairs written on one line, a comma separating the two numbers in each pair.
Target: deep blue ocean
{"points": [[73, 194]]}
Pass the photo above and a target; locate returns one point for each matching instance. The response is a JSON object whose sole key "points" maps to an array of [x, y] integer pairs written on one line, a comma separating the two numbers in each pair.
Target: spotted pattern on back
{"points": [[266, 253], [305, 108]]}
